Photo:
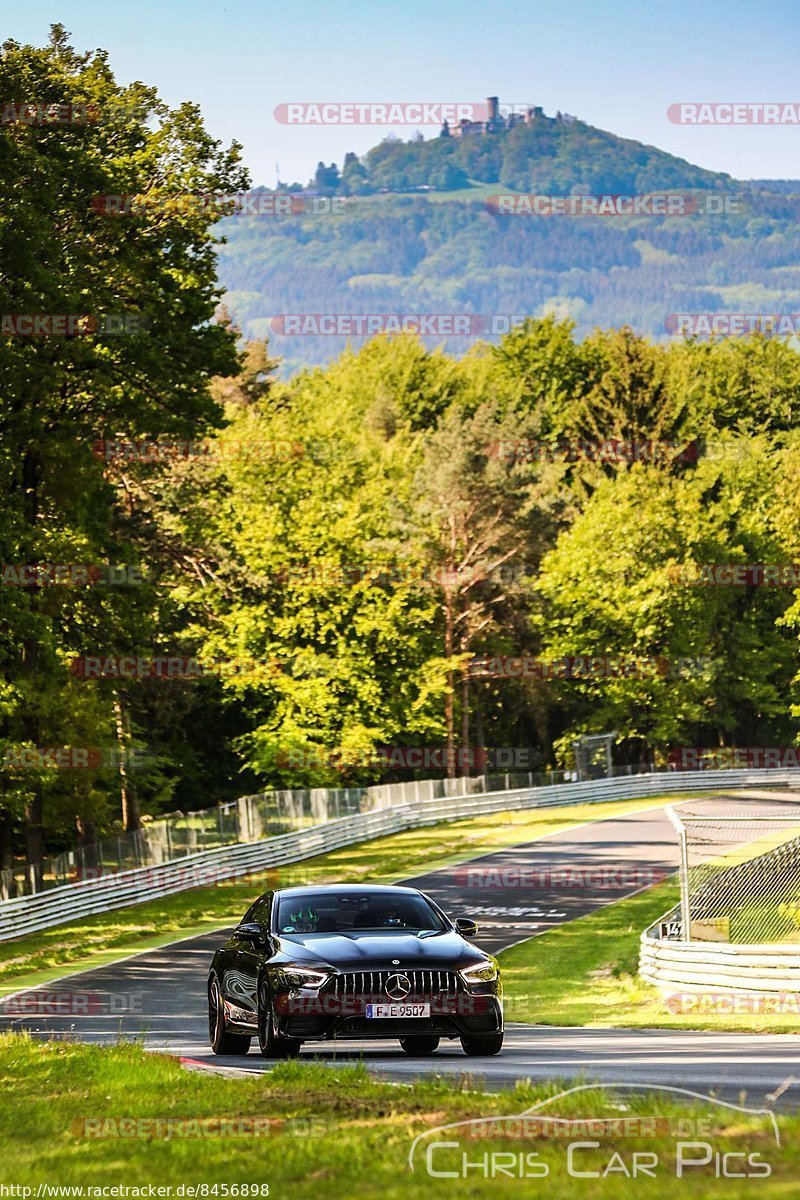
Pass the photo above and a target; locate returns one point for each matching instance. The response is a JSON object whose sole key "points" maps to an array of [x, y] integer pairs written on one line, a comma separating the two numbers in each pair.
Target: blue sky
{"points": [[618, 66]]}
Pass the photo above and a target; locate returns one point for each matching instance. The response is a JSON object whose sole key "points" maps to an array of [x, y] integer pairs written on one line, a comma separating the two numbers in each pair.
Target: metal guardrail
{"points": [[29, 914], [248, 819], [714, 967]]}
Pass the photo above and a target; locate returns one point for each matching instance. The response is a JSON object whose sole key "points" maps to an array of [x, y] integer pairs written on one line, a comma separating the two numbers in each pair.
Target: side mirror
{"points": [[250, 931], [466, 926]]}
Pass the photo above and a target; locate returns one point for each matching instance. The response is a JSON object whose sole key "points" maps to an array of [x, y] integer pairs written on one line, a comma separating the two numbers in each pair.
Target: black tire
{"points": [[270, 1045], [482, 1044], [420, 1043], [222, 1042]]}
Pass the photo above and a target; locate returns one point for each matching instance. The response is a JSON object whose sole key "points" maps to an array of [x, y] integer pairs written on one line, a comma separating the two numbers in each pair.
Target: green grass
{"points": [[585, 973], [42, 957], [765, 922], [336, 1132], [475, 190]]}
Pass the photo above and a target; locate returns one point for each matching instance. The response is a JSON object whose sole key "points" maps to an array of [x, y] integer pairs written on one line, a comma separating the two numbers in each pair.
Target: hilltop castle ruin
{"points": [[496, 122]]}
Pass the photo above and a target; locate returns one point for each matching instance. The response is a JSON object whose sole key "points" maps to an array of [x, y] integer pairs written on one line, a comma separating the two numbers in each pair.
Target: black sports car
{"points": [[313, 963]]}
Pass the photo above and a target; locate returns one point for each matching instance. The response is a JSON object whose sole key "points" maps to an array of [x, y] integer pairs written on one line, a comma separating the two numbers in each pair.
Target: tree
{"points": [[326, 179], [482, 524], [139, 293], [625, 581], [309, 580], [355, 180]]}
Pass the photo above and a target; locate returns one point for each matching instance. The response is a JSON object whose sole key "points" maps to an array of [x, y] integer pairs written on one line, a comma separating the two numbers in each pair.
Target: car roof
{"points": [[344, 889]]}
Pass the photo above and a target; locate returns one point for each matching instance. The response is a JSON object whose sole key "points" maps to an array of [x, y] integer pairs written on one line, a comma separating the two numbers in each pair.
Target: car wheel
{"points": [[270, 1045], [483, 1044], [222, 1042], [420, 1044]]}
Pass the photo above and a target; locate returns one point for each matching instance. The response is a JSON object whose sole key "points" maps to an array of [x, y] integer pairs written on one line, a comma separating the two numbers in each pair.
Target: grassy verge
{"points": [[38, 958], [339, 1132], [585, 973]]}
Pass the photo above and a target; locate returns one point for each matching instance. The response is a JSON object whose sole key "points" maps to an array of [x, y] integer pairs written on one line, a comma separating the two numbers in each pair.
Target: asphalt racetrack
{"points": [[159, 997]]}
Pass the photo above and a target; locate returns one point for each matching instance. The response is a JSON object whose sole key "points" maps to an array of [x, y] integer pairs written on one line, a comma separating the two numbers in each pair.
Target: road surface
{"points": [[159, 996]]}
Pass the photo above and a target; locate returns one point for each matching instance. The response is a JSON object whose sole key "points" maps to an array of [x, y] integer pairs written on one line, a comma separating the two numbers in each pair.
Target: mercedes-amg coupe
{"points": [[316, 963]]}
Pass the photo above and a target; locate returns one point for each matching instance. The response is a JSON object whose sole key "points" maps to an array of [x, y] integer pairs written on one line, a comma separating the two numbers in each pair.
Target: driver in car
{"points": [[392, 919], [302, 921]]}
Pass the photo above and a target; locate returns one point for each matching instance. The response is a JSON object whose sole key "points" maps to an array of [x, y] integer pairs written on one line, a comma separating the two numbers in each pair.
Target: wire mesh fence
{"points": [[248, 819], [740, 873]]}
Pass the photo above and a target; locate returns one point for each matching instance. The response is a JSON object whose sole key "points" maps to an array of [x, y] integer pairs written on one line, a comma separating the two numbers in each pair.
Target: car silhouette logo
{"points": [[398, 987]]}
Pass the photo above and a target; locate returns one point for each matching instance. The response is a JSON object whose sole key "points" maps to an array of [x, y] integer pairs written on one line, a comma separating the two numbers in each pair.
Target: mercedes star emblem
{"points": [[398, 987]]}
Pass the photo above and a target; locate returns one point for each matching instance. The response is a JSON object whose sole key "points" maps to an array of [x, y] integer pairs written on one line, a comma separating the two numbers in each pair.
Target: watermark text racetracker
{"points": [[611, 449], [72, 325], [413, 112], [728, 112], [150, 452], [735, 574], [257, 203], [371, 324], [202, 1128], [48, 114], [35, 112], [44, 1002], [613, 204], [74, 758], [565, 878], [774, 1004], [587, 666], [409, 758], [717, 758], [342, 575], [35, 575], [732, 324], [602, 450], [167, 666]]}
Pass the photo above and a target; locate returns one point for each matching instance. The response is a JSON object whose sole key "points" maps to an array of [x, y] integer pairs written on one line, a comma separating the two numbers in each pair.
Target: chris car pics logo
{"points": [[706, 1138]]}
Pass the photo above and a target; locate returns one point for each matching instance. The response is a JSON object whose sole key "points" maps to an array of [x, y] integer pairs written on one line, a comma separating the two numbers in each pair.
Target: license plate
{"points": [[377, 1011]]}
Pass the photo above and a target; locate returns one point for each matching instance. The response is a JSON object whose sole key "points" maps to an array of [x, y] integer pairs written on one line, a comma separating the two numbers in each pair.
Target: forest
{"points": [[217, 579]]}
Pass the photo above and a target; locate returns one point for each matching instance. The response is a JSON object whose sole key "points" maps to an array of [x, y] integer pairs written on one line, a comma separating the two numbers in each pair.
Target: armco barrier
{"points": [[717, 966], [28, 914], [248, 819]]}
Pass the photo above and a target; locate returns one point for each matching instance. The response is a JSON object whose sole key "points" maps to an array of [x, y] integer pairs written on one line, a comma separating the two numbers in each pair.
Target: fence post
{"points": [[244, 824], [686, 932]]}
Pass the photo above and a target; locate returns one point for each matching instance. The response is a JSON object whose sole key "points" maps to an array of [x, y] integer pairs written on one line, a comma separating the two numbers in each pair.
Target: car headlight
{"points": [[481, 973], [312, 977]]}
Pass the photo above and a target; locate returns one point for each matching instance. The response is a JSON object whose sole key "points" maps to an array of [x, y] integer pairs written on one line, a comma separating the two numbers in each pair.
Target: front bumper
{"points": [[334, 1013]]}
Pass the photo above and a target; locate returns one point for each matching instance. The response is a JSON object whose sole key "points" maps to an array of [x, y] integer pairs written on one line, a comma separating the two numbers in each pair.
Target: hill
{"points": [[416, 231]]}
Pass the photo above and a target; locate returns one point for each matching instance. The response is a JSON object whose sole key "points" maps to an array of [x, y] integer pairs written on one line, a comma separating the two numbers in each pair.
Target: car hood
{"points": [[373, 951]]}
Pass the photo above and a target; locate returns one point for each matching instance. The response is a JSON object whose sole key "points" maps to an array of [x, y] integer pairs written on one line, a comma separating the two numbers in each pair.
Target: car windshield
{"points": [[335, 912]]}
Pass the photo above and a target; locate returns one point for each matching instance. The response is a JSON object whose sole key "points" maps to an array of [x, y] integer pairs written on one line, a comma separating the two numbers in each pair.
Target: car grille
{"points": [[424, 983]]}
